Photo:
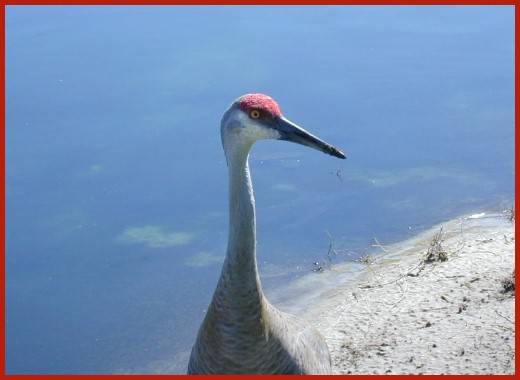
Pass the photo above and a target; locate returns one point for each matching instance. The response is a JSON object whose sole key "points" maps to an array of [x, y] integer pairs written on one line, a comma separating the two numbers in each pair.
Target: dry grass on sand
{"points": [[441, 303]]}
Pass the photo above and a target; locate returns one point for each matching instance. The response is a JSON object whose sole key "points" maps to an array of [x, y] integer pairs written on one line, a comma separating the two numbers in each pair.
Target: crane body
{"points": [[242, 333]]}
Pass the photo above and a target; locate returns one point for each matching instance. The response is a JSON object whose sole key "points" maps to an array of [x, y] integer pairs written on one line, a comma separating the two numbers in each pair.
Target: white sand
{"points": [[404, 316]]}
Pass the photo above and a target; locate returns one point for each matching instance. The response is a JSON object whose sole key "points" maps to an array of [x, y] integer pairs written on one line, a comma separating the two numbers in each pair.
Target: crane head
{"points": [[258, 117]]}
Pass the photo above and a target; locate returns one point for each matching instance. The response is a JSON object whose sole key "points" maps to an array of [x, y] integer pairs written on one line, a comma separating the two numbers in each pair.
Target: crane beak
{"points": [[291, 132]]}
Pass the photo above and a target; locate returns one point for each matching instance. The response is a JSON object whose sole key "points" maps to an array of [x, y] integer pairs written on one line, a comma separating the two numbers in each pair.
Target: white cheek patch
{"points": [[257, 132], [252, 130]]}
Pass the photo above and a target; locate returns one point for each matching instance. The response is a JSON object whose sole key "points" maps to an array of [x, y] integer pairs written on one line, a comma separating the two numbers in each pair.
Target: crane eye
{"points": [[255, 114]]}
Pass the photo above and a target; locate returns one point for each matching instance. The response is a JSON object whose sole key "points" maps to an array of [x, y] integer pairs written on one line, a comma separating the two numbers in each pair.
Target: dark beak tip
{"points": [[337, 153]]}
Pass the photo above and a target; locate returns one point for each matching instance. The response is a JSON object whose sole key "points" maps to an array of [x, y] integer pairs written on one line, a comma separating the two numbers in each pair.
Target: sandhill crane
{"points": [[242, 333]]}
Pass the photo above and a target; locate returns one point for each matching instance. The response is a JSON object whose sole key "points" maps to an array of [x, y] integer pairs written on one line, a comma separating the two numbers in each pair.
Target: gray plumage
{"points": [[242, 333]]}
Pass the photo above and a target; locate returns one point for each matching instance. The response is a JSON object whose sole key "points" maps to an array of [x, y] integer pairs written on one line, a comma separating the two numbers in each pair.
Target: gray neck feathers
{"points": [[239, 279]]}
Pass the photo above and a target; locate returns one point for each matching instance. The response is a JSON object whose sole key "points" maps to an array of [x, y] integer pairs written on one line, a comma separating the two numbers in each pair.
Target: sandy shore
{"points": [[403, 314]]}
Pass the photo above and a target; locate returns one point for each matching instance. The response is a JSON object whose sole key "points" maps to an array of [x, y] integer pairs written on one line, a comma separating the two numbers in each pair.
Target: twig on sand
{"points": [[378, 244], [503, 316], [402, 295]]}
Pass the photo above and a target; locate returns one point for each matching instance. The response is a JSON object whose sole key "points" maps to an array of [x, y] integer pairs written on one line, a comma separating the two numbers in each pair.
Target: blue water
{"points": [[116, 184]]}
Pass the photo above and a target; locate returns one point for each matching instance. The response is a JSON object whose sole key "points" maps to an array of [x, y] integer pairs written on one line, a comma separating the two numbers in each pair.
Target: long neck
{"points": [[239, 273]]}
